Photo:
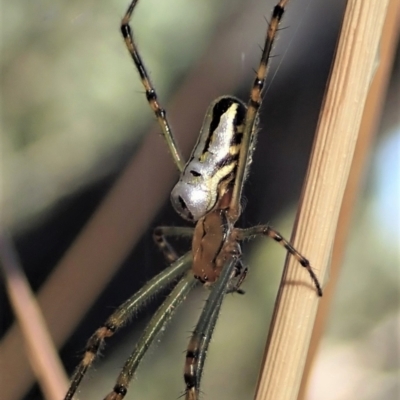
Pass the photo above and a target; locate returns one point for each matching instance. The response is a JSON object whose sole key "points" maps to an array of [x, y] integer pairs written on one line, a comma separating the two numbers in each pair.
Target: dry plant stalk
{"points": [[42, 354], [316, 222], [369, 124]]}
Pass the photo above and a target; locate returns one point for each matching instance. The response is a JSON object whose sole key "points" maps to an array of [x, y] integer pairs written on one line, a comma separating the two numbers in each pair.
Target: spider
{"points": [[208, 193]]}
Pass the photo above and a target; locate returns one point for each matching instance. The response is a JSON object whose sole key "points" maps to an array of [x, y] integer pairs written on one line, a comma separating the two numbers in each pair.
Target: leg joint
{"points": [[126, 30], [151, 95], [120, 389]]}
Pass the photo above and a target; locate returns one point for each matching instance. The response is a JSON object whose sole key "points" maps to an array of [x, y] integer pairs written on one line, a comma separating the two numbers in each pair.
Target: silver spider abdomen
{"points": [[212, 164]]}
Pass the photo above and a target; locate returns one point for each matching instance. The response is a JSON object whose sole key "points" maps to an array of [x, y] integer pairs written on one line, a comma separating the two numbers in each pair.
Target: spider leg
{"points": [[253, 106], [241, 273], [266, 230], [123, 313], [151, 94], [160, 233], [201, 336], [160, 318]]}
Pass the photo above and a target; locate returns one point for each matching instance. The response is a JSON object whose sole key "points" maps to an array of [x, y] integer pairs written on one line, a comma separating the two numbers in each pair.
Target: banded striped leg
{"points": [[253, 108], [160, 318], [162, 232], [151, 94], [273, 234], [198, 345], [123, 313]]}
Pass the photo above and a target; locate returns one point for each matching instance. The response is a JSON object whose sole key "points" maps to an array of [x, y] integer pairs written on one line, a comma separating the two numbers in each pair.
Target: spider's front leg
{"points": [[151, 94]]}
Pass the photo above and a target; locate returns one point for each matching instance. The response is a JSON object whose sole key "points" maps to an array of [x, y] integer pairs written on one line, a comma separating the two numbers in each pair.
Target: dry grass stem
{"points": [[42, 354], [369, 124], [328, 172]]}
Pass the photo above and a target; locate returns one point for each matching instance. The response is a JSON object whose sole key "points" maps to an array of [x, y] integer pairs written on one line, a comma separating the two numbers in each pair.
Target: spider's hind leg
{"points": [[156, 324], [123, 313], [201, 336]]}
